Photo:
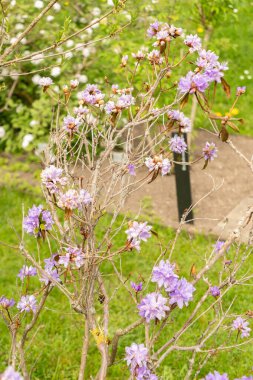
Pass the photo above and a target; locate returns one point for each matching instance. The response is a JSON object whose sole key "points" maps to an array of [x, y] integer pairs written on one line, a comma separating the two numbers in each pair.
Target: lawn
{"points": [[54, 347]]}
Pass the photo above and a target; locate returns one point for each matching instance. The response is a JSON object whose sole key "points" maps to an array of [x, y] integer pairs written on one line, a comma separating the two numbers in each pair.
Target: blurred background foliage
{"points": [[26, 116]]}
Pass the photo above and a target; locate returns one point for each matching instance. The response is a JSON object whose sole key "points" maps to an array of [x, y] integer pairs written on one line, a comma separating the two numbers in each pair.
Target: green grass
{"points": [[55, 345]]}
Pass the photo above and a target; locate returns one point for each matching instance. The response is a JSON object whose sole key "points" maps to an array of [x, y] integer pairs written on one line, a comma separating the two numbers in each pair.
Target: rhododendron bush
{"points": [[82, 183]]}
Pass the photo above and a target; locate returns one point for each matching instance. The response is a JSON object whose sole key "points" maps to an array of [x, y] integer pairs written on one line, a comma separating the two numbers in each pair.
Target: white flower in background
{"points": [[45, 82], [19, 26], [95, 26], [68, 55], [89, 31], [26, 140], [40, 148], [42, 32], [57, 7], [2, 132], [39, 4], [14, 75], [13, 3], [38, 58], [70, 43], [36, 79], [110, 2], [57, 89], [96, 11], [13, 40], [23, 41], [50, 18], [33, 123], [74, 83], [56, 71], [83, 79]]}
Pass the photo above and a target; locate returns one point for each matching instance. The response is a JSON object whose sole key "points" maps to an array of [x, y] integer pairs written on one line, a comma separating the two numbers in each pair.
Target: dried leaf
{"points": [[233, 126], [193, 271], [184, 101], [205, 165], [223, 135], [154, 233], [154, 176], [226, 87]]}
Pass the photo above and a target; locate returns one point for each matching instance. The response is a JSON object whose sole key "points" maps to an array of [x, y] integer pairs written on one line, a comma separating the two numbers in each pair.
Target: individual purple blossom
{"points": [[136, 287], [139, 231], [92, 95], [10, 374], [192, 83], [218, 245], [45, 82], [6, 303], [73, 255], [240, 90], [210, 151], [38, 221], [153, 29], [182, 293], [177, 144], [134, 244], [136, 356], [53, 273], [110, 107], [81, 111], [74, 83], [124, 60], [241, 325], [131, 169], [139, 56], [245, 378], [216, 376], [71, 124], [52, 261], [215, 291], [193, 42], [162, 37], [183, 121], [207, 59], [153, 306], [155, 58], [27, 303], [164, 275], [27, 271], [52, 177], [125, 101]]}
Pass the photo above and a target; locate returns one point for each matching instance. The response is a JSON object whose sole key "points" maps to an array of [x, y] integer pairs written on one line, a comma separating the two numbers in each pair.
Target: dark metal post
{"points": [[183, 184]]}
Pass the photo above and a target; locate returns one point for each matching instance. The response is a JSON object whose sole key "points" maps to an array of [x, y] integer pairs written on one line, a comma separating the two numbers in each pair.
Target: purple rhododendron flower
{"points": [[6, 303], [138, 231], [53, 273], [240, 90], [177, 144], [153, 306], [157, 163], [71, 124], [153, 29], [245, 378], [193, 82], [136, 287], [241, 325], [143, 373], [27, 271], [210, 151], [84, 198], [51, 177], [51, 262], [92, 95], [218, 245], [207, 59], [27, 303], [193, 42], [182, 293], [10, 374], [74, 255], [216, 376], [38, 221], [136, 356], [163, 274], [215, 291], [139, 56], [155, 57], [183, 121], [69, 200]]}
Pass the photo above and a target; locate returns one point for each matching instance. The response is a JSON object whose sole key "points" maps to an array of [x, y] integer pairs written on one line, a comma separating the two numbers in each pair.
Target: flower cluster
{"points": [[27, 303], [241, 325], [52, 177], [177, 144], [163, 32], [27, 271], [10, 374], [51, 269], [73, 255], [137, 360], [38, 221], [71, 124], [123, 102], [180, 291], [215, 291], [45, 82], [153, 307], [193, 42], [183, 122], [210, 151], [136, 287], [136, 233], [216, 376], [155, 57], [73, 199], [6, 303], [158, 163], [92, 95]]}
